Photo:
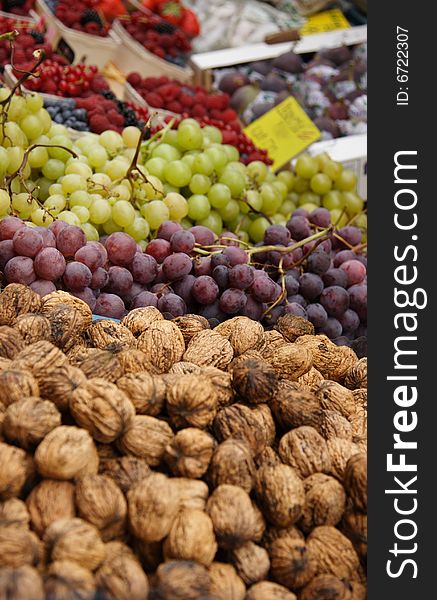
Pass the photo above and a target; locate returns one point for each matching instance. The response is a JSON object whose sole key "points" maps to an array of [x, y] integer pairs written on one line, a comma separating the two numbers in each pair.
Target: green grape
{"points": [[333, 199], [139, 229], [301, 185], [346, 181], [309, 206], [41, 218], [361, 221], [287, 207], [17, 108], [34, 102], [332, 169], [241, 223], [257, 171], [189, 136], [82, 213], [112, 200], [111, 141], [80, 198], [38, 157], [45, 119], [213, 133], [202, 164], [352, 203], [16, 186], [320, 184], [177, 173], [218, 158], [306, 166], [257, 229], [177, 205], [186, 223], [288, 178], [15, 157], [309, 198], [100, 211], [230, 211], [322, 159], [169, 189], [91, 233], [58, 129], [73, 182], [4, 160], [5, 203], [131, 136], [279, 219], [232, 152], [155, 166], [281, 188], [78, 167], [55, 203], [115, 169], [219, 195], [254, 199], [20, 202], [154, 188], [55, 188], [198, 207], [101, 181], [199, 184], [127, 156], [121, 192], [237, 166], [43, 184], [110, 227], [26, 172], [123, 213], [338, 217], [171, 137], [143, 244], [167, 152], [271, 199], [59, 153], [97, 156], [155, 213], [234, 180], [213, 221], [188, 159], [14, 136]]}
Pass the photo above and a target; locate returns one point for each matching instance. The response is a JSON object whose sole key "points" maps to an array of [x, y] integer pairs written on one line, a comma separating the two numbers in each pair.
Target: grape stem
{"points": [[283, 293], [255, 211], [286, 249]]}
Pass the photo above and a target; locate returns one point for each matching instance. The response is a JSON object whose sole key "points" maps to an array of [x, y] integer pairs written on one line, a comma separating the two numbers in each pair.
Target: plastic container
{"points": [[77, 45]]}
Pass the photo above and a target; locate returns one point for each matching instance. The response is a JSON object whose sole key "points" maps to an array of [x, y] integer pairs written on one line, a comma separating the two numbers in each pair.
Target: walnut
{"points": [[68, 323], [225, 583], [232, 463], [358, 421], [150, 554], [186, 368], [146, 437], [18, 547], [209, 349], [121, 578], [139, 319], [360, 398], [40, 358], [272, 339], [116, 548], [67, 580], [126, 471], [16, 469], [267, 590], [191, 537], [254, 380], [28, 421], [354, 527], [16, 300], [333, 396], [16, 384], [163, 344], [274, 533], [79, 352], [192, 493], [135, 361], [189, 453], [33, 328], [243, 334], [325, 501], [280, 494], [289, 361], [182, 580], [251, 562], [355, 480], [191, 401], [5, 363], [13, 513], [153, 504], [189, 325], [292, 327], [11, 342], [54, 299], [21, 583], [312, 379], [260, 523], [356, 375], [232, 515], [102, 364], [106, 451], [59, 385], [102, 409], [109, 335], [75, 540], [240, 422], [146, 392], [264, 416], [305, 450], [332, 552], [326, 586], [222, 383], [333, 424], [358, 590], [332, 361], [48, 501], [340, 451], [294, 406], [67, 452], [292, 564], [267, 457]]}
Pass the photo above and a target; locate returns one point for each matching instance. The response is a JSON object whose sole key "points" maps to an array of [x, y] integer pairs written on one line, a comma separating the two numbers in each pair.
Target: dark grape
{"points": [[183, 287], [320, 217], [253, 309], [9, 226], [297, 299], [310, 286], [43, 287], [335, 300], [144, 268], [167, 229], [352, 235], [235, 255], [212, 312], [19, 269], [202, 265], [332, 328], [6, 252], [291, 284], [99, 279], [173, 304], [359, 346], [203, 235], [273, 315], [182, 241], [87, 296], [343, 256], [228, 238], [299, 227], [70, 239], [49, 239], [205, 290], [355, 271], [120, 280], [241, 276], [110, 305], [57, 226], [335, 277], [341, 341], [358, 299], [221, 276], [77, 276], [219, 259], [159, 249], [145, 299], [160, 289], [318, 262], [293, 308], [176, 266], [232, 301], [349, 320], [317, 314], [27, 242], [276, 235], [263, 289]]}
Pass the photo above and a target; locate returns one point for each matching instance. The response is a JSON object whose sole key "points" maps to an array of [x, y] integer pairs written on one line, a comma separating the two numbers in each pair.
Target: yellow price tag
{"points": [[328, 20], [284, 132]]}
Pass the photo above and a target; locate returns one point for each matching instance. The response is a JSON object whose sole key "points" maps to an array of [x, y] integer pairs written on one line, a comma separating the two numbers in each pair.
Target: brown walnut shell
{"points": [[102, 364], [292, 564], [67, 324], [182, 580], [49, 501], [13, 513], [75, 540], [28, 421], [222, 382], [22, 582], [139, 319], [54, 299], [108, 335], [33, 328], [146, 437], [19, 547], [122, 578], [354, 527], [326, 586], [355, 480], [243, 334], [312, 379], [333, 396], [333, 552], [325, 501], [67, 580], [189, 325], [191, 401], [16, 384], [225, 583], [292, 327], [232, 464], [280, 494], [40, 359], [272, 339], [254, 380], [356, 375], [16, 470], [15, 300], [189, 453], [333, 424], [294, 406], [341, 451], [289, 361], [209, 349], [266, 423], [146, 392], [192, 493], [163, 344], [251, 562], [59, 385], [332, 361], [191, 537], [135, 361], [240, 422], [126, 471], [305, 450], [268, 590], [11, 342]]}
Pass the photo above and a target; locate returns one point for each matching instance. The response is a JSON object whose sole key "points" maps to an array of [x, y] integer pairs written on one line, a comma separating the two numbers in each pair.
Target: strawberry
{"points": [[171, 12], [189, 23]]}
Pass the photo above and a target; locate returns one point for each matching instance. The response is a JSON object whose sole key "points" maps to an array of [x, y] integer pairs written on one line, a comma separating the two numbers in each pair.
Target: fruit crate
{"points": [[75, 45]]}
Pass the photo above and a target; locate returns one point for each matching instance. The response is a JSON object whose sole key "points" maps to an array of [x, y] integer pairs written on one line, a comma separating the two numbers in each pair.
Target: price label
{"points": [[328, 20], [284, 132]]}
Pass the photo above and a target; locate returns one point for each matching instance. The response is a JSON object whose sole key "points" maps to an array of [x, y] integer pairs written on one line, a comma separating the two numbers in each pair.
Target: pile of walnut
{"points": [[163, 460]]}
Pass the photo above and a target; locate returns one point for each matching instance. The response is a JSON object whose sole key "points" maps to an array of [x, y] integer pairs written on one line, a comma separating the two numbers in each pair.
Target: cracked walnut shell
{"points": [[332, 552], [232, 464], [292, 564], [356, 376], [16, 384], [191, 401], [68, 580], [17, 299], [243, 334], [13, 513], [294, 406], [189, 453], [163, 344], [102, 409], [67, 324], [209, 349], [251, 562], [304, 449], [146, 437], [109, 335], [28, 421], [16, 470], [280, 494], [139, 319], [254, 380], [122, 578], [146, 392], [21, 583], [225, 583], [65, 453], [325, 501], [49, 501], [191, 537], [75, 540]]}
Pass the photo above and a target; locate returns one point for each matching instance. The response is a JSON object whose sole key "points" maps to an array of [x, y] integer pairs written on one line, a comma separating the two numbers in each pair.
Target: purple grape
{"points": [[182, 241], [205, 290], [43, 287], [332, 328], [291, 258], [359, 346], [9, 226], [99, 279], [27, 242], [128, 298], [69, 240], [273, 315], [357, 295], [362, 259], [274, 258], [291, 284], [293, 308], [352, 235], [87, 296], [253, 309], [93, 255], [160, 277], [355, 271], [276, 235], [310, 286], [318, 262], [219, 259], [120, 280], [110, 305], [77, 276], [349, 320], [176, 266], [173, 304], [202, 265], [263, 289], [228, 238], [144, 268], [297, 299], [236, 256], [317, 314], [161, 289], [335, 300], [321, 217], [57, 226], [19, 269], [343, 256], [159, 249], [241, 276], [300, 212], [121, 248], [49, 239], [335, 277], [341, 341], [212, 313], [145, 299], [6, 252], [183, 287], [221, 276], [167, 229], [232, 301], [203, 235], [299, 227], [361, 331]]}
